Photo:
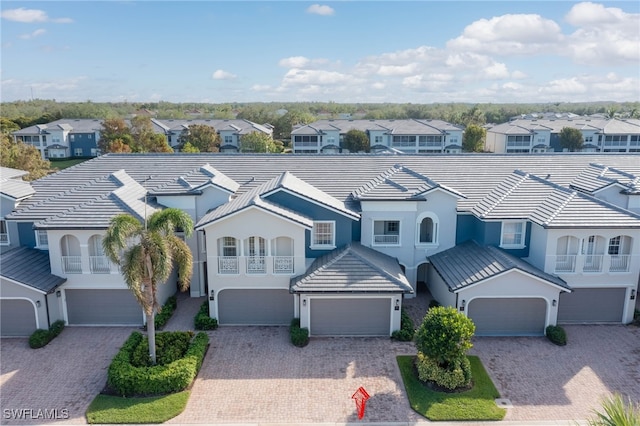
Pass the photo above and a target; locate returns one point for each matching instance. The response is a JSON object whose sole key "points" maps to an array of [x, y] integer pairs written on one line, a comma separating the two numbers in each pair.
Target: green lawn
{"points": [[63, 164], [475, 404], [157, 409]]}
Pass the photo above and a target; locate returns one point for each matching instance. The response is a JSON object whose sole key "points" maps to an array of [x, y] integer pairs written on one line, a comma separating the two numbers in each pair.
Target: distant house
{"points": [[535, 135], [514, 242], [403, 136], [230, 131]]}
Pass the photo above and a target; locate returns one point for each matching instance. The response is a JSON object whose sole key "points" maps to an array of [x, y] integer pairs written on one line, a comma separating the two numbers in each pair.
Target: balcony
{"points": [[590, 264], [253, 265], [101, 265], [386, 239], [72, 264]]}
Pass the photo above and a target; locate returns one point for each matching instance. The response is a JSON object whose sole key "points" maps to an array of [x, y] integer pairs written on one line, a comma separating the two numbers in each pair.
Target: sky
{"points": [[295, 51]]}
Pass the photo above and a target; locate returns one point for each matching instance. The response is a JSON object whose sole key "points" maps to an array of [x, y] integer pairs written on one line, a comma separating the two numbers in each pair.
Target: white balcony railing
{"points": [[72, 264], [592, 263], [283, 265], [619, 263], [256, 265], [228, 265], [386, 239], [566, 263], [101, 265]]}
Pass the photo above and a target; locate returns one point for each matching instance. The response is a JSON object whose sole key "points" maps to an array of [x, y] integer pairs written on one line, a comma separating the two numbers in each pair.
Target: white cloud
{"points": [[518, 75], [378, 85], [31, 15], [318, 9], [302, 62], [34, 34], [223, 75], [508, 34], [261, 87], [496, 71], [300, 77], [397, 69]]}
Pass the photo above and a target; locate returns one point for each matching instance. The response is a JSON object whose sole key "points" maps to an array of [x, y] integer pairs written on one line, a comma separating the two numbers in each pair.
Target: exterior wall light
{"points": [[38, 303], [397, 307], [212, 295], [304, 302], [633, 294], [554, 302], [58, 293], [463, 304]]}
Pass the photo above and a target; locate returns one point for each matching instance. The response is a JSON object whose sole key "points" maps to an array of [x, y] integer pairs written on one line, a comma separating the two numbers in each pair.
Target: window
{"points": [[4, 235], [42, 240], [77, 152], [427, 230], [229, 246], [386, 232], [512, 234], [228, 140], [378, 140], [72, 138], [324, 234], [614, 245], [203, 242]]}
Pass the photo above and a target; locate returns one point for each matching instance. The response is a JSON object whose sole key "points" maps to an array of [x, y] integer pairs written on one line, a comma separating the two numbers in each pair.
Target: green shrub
{"points": [[202, 320], [166, 312], [444, 335], [434, 303], [170, 346], [456, 375], [556, 334], [636, 317], [616, 412], [407, 330], [299, 336], [42, 337], [129, 380]]}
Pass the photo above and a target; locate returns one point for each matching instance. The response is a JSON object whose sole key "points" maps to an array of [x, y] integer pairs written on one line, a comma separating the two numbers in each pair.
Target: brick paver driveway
{"points": [[66, 374]]}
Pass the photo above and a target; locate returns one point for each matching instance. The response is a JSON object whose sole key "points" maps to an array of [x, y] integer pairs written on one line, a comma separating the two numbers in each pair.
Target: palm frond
{"points": [[121, 229], [167, 221], [184, 261]]}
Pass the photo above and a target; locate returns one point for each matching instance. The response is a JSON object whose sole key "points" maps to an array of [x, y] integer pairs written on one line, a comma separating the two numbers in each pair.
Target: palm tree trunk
{"points": [[151, 336]]}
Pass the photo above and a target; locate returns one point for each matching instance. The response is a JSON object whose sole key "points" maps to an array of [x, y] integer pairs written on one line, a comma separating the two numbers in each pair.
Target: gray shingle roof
{"points": [[352, 269], [29, 267], [469, 263]]}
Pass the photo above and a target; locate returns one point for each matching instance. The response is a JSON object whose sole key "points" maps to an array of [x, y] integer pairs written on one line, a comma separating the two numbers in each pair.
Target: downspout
{"points": [[46, 305]]}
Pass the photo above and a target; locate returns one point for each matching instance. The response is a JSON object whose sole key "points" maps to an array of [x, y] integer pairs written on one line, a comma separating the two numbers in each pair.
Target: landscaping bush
{"points": [[128, 380], [42, 337], [170, 346], [445, 334], [407, 330], [166, 312], [636, 317], [456, 375], [556, 334], [202, 320], [299, 336]]}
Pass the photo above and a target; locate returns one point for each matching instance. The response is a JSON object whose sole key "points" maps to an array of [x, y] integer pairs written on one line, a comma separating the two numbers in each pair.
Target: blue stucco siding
{"points": [[344, 230], [470, 227], [26, 234], [84, 141], [554, 142]]}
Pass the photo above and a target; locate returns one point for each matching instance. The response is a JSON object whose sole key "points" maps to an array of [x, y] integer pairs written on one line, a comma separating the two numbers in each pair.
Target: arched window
{"points": [[71, 256], [619, 251], [566, 252], [427, 229]]}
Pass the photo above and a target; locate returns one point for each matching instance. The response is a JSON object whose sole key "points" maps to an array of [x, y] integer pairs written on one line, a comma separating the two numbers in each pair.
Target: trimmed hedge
{"points": [[128, 380], [556, 335], [458, 374], [166, 312], [170, 346], [42, 337], [299, 336], [407, 330], [202, 320]]}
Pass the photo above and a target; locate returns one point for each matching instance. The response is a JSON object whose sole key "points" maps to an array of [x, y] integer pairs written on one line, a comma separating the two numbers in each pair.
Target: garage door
{"points": [[103, 307], [350, 317], [255, 307], [508, 317], [592, 305], [17, 317]]}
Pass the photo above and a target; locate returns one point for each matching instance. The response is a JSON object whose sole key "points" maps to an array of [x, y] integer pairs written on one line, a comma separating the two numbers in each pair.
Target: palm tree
{"points": [[146, 253]]}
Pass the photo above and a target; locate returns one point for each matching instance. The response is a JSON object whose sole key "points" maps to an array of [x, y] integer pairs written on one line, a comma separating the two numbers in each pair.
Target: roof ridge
{"points": [[524, 177], [377, 180], [560, 208], [327, 260]]}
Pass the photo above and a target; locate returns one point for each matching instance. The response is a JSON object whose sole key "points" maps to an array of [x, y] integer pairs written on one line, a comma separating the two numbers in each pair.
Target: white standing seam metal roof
{"points": [[332, 176], [469, 263], [352, 269]]}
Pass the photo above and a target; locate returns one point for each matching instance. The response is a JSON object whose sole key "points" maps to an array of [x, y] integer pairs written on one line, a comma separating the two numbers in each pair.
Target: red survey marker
{"points": [[361, 396]]}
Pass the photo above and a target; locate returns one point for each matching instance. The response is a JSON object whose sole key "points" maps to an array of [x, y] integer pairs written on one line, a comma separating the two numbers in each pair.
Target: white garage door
{"points": [[584, 305], [103, 307], [508, 317], [255, 307], [350, 317], [17, 317]]}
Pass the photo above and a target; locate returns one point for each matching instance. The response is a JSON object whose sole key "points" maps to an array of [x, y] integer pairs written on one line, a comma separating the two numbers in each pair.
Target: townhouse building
{"points": [[537, 135], [516, 242], [404, 136]]}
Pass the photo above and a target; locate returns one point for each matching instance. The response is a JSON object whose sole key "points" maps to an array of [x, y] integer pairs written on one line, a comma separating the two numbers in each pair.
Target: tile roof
{"points": [[10, 173], [525, 196], [249, 199], [469, 263], [30, 267], [16, 189], [596, 177], [238, 125], [395, 127], [352, 269], [195, 180]]}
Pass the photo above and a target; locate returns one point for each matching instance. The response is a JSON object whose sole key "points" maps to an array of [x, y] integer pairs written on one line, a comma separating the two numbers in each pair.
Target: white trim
{"points": [[38, 245], [373, 233], [313, 246], [35, 308], [435, 240], [346, 212], [252, 206], [542, 280]]}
